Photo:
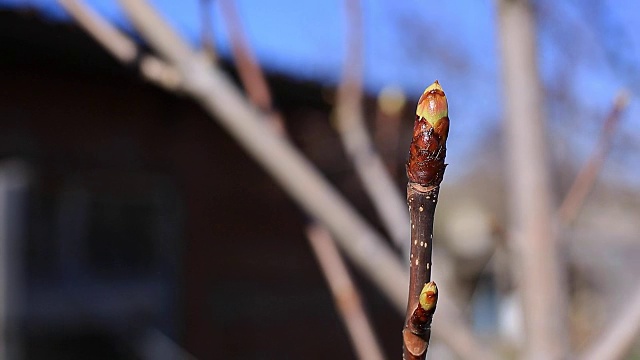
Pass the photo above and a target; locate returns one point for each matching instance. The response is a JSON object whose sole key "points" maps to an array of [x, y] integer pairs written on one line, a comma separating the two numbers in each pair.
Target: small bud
{"points": [[429, 296]]}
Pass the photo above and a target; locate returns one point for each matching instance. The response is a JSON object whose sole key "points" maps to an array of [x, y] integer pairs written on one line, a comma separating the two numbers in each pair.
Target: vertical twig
{"points": [[585, 179], [344, 293], [425, 170], [536, 255], [377, 181]]}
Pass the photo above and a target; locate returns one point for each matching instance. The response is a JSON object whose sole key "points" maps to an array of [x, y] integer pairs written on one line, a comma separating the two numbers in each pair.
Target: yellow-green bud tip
{"points": [[429, 296], [434, 86], [432, 105]]}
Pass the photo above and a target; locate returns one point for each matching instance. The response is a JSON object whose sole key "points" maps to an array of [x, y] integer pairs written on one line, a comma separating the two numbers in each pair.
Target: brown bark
{"points": [[425, 170]]}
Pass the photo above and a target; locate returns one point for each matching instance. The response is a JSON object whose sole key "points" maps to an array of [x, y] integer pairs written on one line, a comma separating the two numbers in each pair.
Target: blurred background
{"points": [[134, 227]]}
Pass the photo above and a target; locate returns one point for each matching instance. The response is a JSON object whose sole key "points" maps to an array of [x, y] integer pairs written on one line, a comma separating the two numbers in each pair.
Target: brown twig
{"points": [[425, 170], [377, 181], [121, 47], [251, 74], [584, 181], [345, 294]]}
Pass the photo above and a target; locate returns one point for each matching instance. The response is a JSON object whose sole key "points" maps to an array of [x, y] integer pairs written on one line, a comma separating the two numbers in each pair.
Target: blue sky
{"points": [[304, 39]]}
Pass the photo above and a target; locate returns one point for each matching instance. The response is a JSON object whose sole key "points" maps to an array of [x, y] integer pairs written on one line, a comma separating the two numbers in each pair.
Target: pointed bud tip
{"points": [[434, 86], [433, 105]]}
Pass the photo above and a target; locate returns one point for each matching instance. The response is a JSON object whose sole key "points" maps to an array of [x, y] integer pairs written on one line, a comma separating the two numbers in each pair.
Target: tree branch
{"points": [[536, 254], [425, 170], [344, 293], [215, 91], [120, 46], [207, 37], [348, 112], [251, 75], [584, 181]]}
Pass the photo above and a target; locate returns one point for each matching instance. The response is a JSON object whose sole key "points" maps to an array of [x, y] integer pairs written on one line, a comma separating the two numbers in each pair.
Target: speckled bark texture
{"points": [[425, 170]]}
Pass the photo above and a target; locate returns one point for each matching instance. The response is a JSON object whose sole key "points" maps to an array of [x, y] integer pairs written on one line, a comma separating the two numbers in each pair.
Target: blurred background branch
{"points": [[288, 166], [345, 294], [352, 128], [536, 255], [583, 182], [121, 47]]}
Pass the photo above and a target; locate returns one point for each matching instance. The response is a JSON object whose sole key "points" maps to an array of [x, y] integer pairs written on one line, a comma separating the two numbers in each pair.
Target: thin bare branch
{"points": [[425, 170], [251, 75], [217, 94], [615, 341], [207, 37], [377, 181], [120, 46], [536, 257], [345, 293], [586, 178]]}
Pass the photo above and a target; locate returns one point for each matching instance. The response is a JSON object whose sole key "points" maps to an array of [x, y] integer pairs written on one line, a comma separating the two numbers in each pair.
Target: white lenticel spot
{"points": [[428, 266], [417, 261], [421, 209]]}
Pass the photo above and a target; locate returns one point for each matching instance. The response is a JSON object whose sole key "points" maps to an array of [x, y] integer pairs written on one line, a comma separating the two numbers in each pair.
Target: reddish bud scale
{"points": [[428, 146]]}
